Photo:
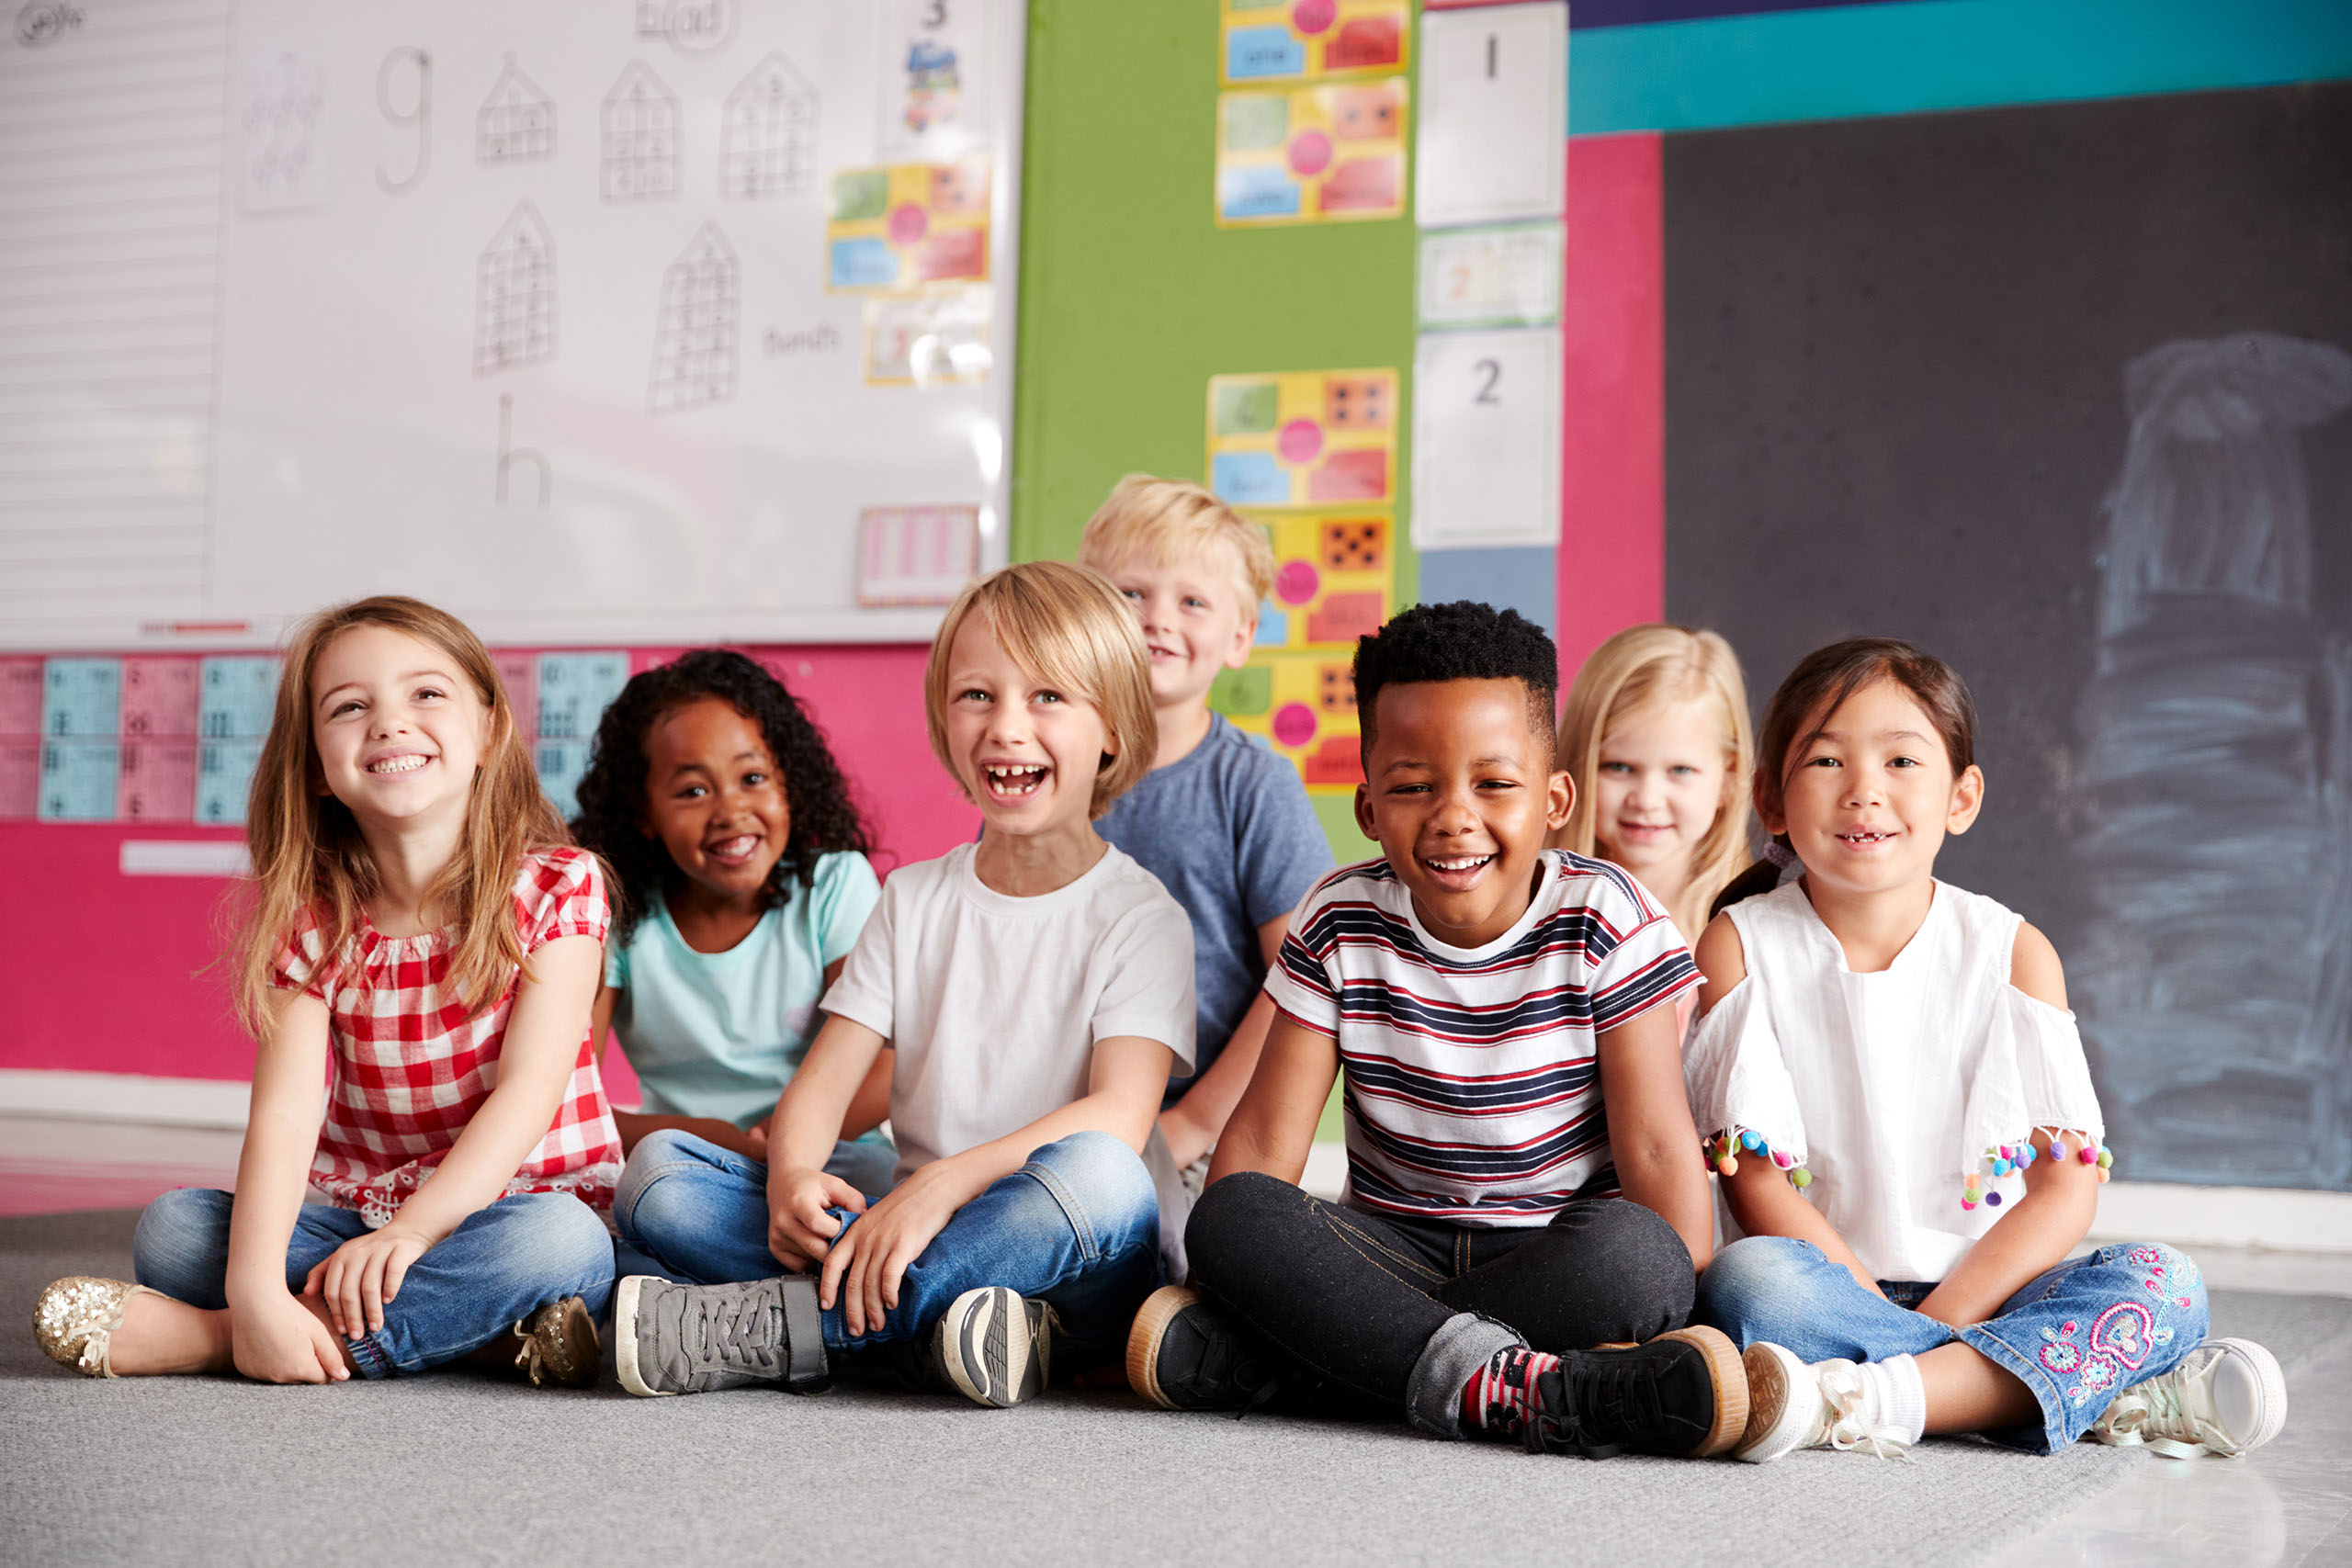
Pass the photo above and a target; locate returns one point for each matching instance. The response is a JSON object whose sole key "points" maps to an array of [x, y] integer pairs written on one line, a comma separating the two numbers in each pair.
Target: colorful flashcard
{"points": [[20, 775], [1335, 578], [934, 101], [224, 777], [1301, 705], [575, 689], [928, 339], [1311, 154], [77, 777], [20, 694], [159, 696], [907, 226], [237, 693], [156, 781], [81, 699], [916, 555], [1304, 438], [1299, 40], [1509, 275]]}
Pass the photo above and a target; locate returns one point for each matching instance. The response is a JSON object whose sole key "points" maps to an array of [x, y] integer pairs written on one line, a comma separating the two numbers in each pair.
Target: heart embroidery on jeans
{"points": [[2125, 1331]]}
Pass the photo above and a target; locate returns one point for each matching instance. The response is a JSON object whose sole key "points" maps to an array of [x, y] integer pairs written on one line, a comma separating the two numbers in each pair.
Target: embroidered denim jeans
{"points": [[503, 1262], [1078, 1226], [2076, 1336]]}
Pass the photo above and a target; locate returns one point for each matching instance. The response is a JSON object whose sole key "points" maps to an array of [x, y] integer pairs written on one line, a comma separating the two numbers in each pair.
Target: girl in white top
{"points": [[1886, 1076]]}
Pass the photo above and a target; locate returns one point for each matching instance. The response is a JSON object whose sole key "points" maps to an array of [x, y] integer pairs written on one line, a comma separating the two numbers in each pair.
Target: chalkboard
{"points": [[639, 322], [2064, 394]]}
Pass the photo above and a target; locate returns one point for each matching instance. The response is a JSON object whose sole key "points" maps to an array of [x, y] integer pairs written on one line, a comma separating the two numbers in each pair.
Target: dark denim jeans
{"points": [[1077, 1227], [2077, 1334], [504, 1262]]}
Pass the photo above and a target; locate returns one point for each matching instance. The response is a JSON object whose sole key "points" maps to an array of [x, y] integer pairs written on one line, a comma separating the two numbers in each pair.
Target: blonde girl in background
{"points": [[424, 941], [1655, 734]]}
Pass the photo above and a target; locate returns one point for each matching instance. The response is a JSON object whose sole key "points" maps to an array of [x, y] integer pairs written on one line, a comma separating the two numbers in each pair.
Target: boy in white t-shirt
{"points": [[1037, 988]]}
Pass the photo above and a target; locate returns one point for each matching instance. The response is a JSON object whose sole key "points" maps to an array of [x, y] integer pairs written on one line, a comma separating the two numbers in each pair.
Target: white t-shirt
{"points": [[1889, 1088], [995, 1004]]}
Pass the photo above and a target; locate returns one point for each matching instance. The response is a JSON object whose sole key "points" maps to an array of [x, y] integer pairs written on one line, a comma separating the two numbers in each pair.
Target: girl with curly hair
{"points": [[740, 882]]}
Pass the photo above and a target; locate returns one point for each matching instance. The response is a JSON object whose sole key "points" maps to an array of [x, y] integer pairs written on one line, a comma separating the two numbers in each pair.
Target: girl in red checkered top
{"points": [[425, 939]]}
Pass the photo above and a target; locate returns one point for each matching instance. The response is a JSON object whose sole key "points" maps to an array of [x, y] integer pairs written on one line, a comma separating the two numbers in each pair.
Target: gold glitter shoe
{"points": [[76, 1319], [560, 1345]]}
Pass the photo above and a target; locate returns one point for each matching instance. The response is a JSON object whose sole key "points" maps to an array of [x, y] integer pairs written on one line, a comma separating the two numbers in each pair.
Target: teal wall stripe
{"points": [[1942, 54]]}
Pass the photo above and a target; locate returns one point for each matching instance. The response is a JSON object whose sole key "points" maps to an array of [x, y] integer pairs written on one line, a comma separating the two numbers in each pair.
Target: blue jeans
{"points": [[504, 1262], [1077, 1227], [867, 1164], [2076, 1336]]}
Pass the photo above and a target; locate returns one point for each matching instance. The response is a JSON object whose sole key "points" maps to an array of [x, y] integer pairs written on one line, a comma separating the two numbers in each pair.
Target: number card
{"points": [[1493, 116], [19, 776], [1311, 154], [156, 782], [77, 778], [519, 673], [907, 226], [235, 696], [82, 699], [934, 102], [1506, 276], [224, 777], [20, 695], [1274, 40], [1487, 439], [575, 689], [1303, 438], [159, 696]]}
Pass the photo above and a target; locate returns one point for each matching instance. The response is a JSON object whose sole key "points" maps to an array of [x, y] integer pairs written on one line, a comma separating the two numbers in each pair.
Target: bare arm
{"points": [[1759, 1193], [1650, 1133], [1194, 1123], [1273, 1127], [273, 1335], [2061, 1193]]}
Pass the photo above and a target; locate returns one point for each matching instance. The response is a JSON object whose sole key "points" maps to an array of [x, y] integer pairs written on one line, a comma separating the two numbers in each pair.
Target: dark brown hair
{"points": [[1823, 681]]}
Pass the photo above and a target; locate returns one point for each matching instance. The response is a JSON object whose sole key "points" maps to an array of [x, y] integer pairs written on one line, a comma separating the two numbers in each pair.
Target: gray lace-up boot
{"points": [[697, 1338]]}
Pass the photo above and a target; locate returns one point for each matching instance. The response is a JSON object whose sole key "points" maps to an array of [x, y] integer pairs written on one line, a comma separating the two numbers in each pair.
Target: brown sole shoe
{"points": [[1729, 1374], [560, 1345], [1158, 1310]]}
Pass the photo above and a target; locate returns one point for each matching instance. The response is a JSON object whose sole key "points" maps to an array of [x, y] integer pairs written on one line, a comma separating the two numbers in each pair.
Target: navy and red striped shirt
{"points": [[1472, 1077]]}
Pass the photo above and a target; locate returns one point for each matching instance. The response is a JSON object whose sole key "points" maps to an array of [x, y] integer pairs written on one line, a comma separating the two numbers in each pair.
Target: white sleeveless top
{"points": [[1890, 1089]]}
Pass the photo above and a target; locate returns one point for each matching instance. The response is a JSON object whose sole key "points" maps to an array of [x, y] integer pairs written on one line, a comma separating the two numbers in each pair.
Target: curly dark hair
{"points": [[612, 793], [1461, 641]]}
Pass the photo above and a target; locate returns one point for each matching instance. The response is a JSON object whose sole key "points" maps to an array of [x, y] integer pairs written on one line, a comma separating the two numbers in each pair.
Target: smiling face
{"points": [[1197, 619], [714, 796], [1656, 787], [1025, 752], [1460, 792], [1868, 792], [399, 731]]}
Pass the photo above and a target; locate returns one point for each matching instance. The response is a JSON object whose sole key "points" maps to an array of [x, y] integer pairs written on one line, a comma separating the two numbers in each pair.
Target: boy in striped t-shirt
{"points": [[1524, 1180]]}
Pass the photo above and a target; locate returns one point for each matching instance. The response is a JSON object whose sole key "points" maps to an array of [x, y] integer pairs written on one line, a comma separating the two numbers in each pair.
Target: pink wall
{"points": [[1612, 321], [102, 972]]}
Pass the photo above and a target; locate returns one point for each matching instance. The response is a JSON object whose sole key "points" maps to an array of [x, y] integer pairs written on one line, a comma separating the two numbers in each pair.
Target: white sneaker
{"points": [[996, 1347], [1791, 1405], [2225, 1398]]}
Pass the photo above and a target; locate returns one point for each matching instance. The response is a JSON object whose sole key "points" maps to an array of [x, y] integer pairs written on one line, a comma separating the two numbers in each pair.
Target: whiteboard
{"points": [[549, 314]]}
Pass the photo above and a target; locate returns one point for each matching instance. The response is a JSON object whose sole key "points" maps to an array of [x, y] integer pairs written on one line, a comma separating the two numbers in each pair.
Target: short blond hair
{"points": [[1645, 667], [1168, 521], [1069, 627]]}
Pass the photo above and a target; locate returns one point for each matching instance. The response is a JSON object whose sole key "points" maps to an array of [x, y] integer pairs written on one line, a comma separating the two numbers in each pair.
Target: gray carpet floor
{"points": [[452, 1468]]}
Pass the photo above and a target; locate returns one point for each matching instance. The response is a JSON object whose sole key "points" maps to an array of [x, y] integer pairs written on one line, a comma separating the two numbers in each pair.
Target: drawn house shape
{"points": [[638, 151], [768, 136], [694, 341], [516, 123], [514, 294]]}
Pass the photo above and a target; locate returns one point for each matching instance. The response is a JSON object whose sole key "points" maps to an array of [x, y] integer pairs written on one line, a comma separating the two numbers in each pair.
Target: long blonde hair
{"points": [[1645, 667], [1066, 625], [307, 852]]}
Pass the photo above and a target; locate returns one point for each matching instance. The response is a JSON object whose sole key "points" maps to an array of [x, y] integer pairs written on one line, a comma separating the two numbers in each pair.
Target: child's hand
{"points": [[281, 1340], [864, 1269], [799, 1229], [363, 1274]]}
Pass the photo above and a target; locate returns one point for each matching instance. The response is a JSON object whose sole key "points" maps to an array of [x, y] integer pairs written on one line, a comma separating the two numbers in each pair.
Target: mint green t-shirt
{"points": [[720, 1034]]}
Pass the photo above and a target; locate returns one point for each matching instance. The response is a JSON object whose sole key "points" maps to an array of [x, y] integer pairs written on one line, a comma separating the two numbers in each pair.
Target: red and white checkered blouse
{"points": [[410, 1068]]}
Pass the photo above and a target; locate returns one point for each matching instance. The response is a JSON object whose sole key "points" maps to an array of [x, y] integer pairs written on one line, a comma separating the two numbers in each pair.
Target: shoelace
{"points": [[1595, 1396], [2154, 1414], [746, 1332], [1846, 1431]]}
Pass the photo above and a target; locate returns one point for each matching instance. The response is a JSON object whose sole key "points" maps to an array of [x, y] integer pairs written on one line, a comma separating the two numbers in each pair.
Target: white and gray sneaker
{"points": [[1791, 1405], [995, 1345], [671, 1338], [2226, 1398]]}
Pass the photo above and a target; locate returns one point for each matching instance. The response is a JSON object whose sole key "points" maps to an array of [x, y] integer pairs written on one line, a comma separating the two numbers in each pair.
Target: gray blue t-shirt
{"points": [[720, 1034], [1227, 829]]}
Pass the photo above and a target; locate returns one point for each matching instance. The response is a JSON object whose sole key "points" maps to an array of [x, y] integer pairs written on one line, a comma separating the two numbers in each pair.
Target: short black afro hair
{"points": [[1461, 641]]}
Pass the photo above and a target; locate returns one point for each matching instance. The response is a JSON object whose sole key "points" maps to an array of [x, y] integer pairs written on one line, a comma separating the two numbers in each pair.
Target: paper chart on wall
{"points": [[1269, 41], [1319, 154], [907, 226], [1493, 116], [1508, 275], [1303, 438], [934, 101], [1487, 439]]}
